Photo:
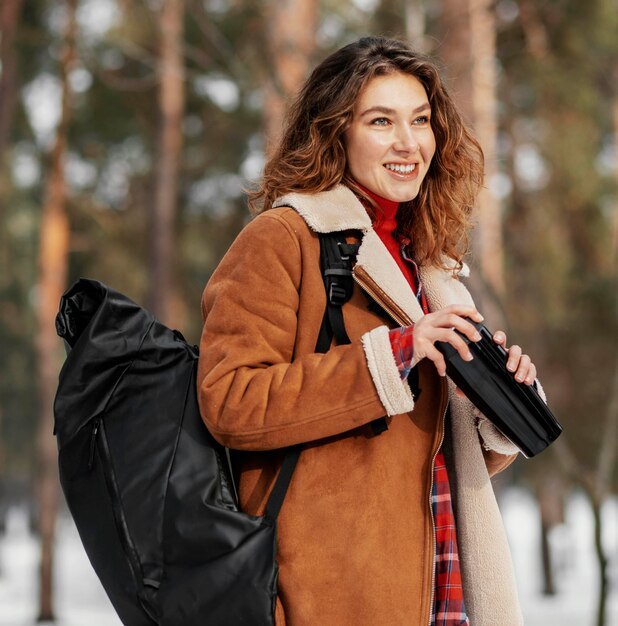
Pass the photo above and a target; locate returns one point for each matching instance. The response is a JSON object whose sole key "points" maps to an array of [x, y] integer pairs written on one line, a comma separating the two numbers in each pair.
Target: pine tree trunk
{"points": [[171, 102], [469, 49], [608, 455], [550, 498], [53, 263], [414, 18], [9, 18], [389, 17], [291, 27], [549, 588], [615, 125], [602, 561], [485, 110], [455, 51]]}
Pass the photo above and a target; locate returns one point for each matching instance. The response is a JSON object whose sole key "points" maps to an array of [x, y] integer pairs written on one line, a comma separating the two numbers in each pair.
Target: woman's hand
{"points": [[520, 364], [440, 326]]}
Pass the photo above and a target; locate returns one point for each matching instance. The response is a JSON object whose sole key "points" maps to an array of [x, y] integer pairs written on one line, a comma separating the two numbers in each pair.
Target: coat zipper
{"points": [[376, 294], [402, 319], [433, 521]]}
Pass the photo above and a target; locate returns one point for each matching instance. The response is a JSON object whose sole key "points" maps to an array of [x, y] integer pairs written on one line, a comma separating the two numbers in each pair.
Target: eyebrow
{"points": [[389, 111]]}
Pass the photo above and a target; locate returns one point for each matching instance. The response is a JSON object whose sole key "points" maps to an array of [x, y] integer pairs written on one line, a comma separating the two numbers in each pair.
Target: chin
{"points": [[400, 193], [403, 197]]}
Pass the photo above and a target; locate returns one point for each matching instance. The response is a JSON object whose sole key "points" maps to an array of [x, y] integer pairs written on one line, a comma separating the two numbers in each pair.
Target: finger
{"points": [[464, 310], [431, 327], [465, 327], [523, 368], [469, 330], [531, 377], [459, 392], [500, 337], [438, 360], [512, 363], [458, 343]]}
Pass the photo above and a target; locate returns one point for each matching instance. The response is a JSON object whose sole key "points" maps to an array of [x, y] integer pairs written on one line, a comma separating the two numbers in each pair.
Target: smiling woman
{"points": [[390, 517]]}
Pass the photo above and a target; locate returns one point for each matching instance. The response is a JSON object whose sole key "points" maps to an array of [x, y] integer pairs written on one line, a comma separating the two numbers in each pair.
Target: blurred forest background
{"points": [[129, 129]]}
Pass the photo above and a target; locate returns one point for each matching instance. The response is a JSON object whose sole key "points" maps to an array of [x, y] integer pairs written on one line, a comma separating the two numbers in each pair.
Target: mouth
{"points": [[408, 170]]}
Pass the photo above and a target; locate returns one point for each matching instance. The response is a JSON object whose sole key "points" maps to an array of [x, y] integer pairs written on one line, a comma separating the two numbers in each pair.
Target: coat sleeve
{"points": [[254, 392], [499, 452]]}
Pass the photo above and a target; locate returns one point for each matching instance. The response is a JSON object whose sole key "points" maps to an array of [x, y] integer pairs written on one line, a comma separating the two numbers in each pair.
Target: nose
{"points": [[405, 139]]}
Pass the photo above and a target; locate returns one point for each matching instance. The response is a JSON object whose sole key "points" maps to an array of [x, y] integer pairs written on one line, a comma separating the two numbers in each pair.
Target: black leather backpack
{"points": [[150, 490]]}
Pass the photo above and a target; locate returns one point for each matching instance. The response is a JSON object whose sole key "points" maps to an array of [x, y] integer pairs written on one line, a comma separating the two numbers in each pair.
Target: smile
{"points": [[401, 169]]}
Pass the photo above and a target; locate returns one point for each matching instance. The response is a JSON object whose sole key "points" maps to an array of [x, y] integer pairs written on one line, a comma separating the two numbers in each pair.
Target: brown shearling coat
{"points": [[355, 534]]}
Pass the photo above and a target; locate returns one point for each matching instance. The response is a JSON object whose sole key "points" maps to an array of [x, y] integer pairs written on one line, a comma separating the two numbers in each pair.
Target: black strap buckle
{"points": [[337, 295], [347, 250]]}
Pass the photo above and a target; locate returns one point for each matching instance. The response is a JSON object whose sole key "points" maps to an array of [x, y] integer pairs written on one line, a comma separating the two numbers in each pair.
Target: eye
{"points": [[422, 120], [380, 121]]}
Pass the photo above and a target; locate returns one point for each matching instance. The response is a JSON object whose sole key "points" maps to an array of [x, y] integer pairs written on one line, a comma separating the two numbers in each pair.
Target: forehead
{"points": [[398, 90]]}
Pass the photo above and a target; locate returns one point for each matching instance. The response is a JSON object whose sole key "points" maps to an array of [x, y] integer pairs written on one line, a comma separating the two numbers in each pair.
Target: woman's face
{"points": [[389, 143]]}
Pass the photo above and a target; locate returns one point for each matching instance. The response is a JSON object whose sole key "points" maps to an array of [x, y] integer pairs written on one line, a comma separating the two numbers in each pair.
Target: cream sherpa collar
{"points": [[323, 211]]}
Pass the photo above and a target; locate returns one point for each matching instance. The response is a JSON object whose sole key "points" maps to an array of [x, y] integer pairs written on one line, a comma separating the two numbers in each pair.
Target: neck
{"points": [[387, 208]]}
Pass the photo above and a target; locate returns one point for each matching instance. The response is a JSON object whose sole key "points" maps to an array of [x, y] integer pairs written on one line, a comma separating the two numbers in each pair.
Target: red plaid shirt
{"points": [[448, 608]]}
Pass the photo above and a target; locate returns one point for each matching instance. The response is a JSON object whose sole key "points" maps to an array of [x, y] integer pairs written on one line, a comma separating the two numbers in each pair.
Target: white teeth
{"points": [[401, 169]]}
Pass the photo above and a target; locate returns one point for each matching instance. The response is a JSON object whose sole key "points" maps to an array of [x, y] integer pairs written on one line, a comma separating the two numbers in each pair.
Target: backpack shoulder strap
{"points": [[337, 258], [277, 495]]}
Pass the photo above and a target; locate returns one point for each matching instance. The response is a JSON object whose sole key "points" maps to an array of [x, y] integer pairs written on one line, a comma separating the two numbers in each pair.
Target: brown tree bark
{"points": [[402, 19], [414, 19], [455, 52], [290, 29], [485, 111], [53, 264], [550, 498], [389, 18], [171, 103], [615, 124], [469, 50], [534, 30], [608, 457], [9, 19]]}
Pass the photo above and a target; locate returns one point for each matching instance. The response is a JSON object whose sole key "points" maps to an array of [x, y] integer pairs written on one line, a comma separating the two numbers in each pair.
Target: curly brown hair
{"points": [[311, 155]]}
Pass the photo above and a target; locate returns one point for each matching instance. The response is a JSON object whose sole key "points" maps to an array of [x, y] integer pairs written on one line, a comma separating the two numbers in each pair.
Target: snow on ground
{"points": [[80, 600], [575, 565]]}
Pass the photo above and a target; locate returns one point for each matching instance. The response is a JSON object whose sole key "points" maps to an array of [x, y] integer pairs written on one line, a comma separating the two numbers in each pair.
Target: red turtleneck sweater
{"points": [[385, 225], [448, 608]]}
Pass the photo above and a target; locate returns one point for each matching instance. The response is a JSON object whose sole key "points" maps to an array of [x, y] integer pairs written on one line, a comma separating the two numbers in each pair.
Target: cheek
{"points": [[355, 151], [430, 148]]}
